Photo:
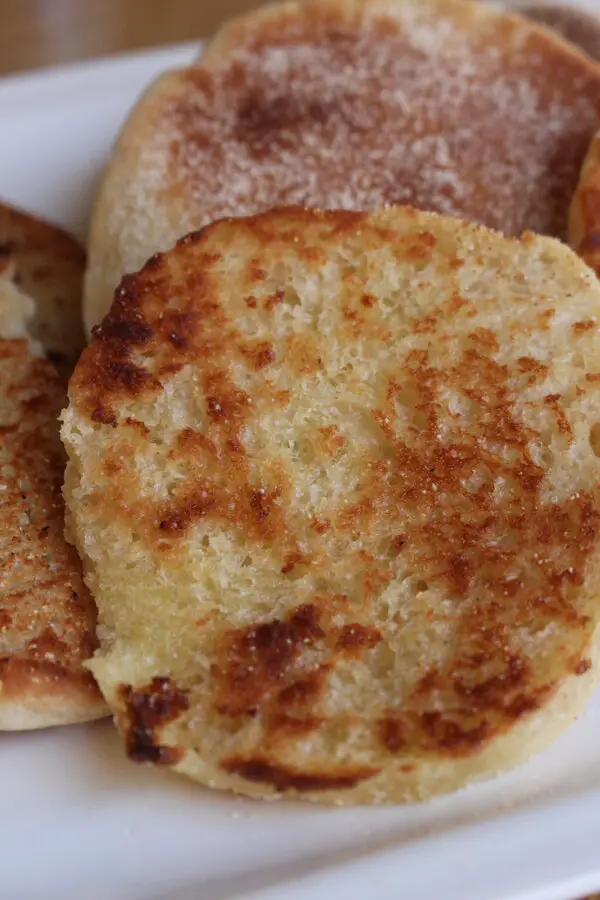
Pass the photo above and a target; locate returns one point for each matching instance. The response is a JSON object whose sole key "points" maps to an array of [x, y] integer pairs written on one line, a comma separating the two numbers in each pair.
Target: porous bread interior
{"points": [[355, 309]]}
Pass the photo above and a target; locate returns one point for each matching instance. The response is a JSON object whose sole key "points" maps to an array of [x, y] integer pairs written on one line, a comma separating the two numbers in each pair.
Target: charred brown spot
{"points": [[285, 778], [196, 507], [426, 325], [564, 426], [303, 355], [258, 353], [256, 272], [391, 733], [104, 415], [112, 467], [257, 661], [180, 328], [131, 378], [451, 736], [138, 426], [332, 439], [178, 340], [305, 690], [147, 711], [431, 681], [532, 367], [492, 693], [358, 637], [582, 327], [484, 339], [261, 504], [455, 304], [419, 247], [291, 561], [273, 300], [320, 525], [368, 300], [134, 330], [583, 666], [459, 573], [192, 442], [47, 645], [224, 401], [397, 543], [526, 703]]}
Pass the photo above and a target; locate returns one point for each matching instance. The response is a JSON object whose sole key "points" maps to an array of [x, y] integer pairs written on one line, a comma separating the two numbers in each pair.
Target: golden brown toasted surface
{"points": [[447, 105], [47, 618], [334, 479], [48, 264]]}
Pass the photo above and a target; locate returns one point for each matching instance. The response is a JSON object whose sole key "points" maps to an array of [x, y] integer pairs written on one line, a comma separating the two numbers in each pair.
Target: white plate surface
{"points": [[82, 823]]}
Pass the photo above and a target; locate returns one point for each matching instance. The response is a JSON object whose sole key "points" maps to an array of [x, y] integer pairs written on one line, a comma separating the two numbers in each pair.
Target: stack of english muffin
{"points": [[333, 447]]}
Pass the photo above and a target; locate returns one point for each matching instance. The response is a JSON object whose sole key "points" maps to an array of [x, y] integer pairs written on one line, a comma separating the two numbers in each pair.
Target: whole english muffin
{"points": [[47, 263], [447, 105], [47, 617], [334, 480]]}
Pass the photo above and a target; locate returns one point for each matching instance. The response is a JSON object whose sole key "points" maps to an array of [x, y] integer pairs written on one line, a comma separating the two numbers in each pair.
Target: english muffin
{"points": [[334, 478], [447, 105], [47, 617]]}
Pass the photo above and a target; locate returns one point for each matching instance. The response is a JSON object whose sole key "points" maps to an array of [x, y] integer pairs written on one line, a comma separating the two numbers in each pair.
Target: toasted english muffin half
{"points": [[452, 106], [47, 617], [335, 484]]}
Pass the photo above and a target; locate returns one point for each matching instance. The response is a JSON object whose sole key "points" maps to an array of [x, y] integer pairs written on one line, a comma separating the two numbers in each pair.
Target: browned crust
{"points": [[284, 778], [146, 711], [47, 617], [258, 658], [40, 694]]}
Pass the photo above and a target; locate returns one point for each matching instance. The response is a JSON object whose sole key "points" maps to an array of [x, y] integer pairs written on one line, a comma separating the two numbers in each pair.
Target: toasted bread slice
{"points": [[334, 481], [48, 264], [47, 617], [447, 105]]}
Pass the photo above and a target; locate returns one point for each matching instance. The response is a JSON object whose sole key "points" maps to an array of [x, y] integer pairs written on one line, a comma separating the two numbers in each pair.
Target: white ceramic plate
{"points": [[80, 822]]}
